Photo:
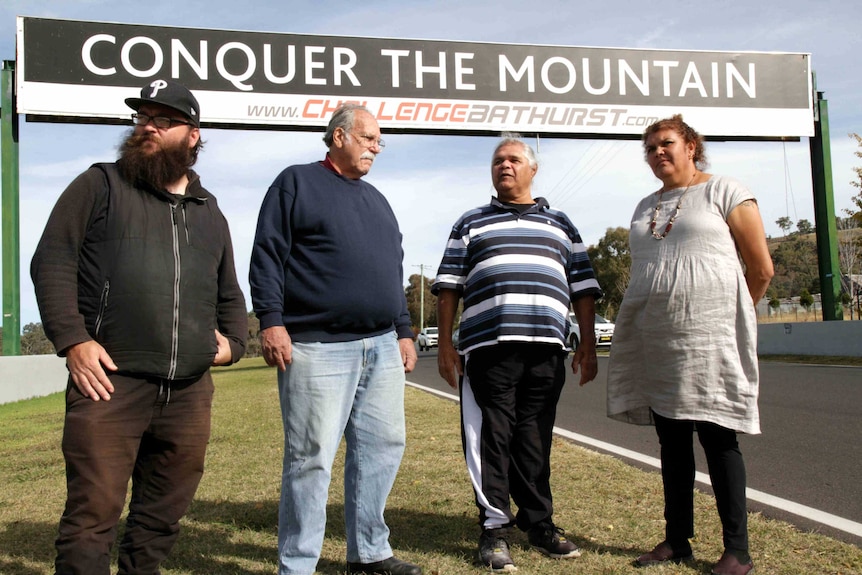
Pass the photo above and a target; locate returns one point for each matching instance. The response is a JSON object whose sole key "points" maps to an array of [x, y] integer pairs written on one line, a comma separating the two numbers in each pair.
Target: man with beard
{"points": [[136, 285], [326, 283]]}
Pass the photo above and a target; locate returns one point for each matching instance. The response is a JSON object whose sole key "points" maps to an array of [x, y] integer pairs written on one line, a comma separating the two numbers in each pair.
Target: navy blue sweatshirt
{"points": [[326, 261]]}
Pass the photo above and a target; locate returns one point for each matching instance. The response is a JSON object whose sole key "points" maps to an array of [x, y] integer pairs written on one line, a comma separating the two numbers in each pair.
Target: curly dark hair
{"points": [[688, 134]]}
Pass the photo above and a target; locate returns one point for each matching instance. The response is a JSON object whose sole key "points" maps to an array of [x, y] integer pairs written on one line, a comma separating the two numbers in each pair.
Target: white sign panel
{"points": [[84, 70]]}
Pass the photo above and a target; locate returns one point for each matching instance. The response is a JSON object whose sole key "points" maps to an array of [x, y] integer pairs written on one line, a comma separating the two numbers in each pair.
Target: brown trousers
{"points": [[152, 431]]}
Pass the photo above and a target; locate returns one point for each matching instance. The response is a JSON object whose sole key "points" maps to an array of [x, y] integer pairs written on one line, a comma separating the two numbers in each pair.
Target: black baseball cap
{"points": [[170, 94]]}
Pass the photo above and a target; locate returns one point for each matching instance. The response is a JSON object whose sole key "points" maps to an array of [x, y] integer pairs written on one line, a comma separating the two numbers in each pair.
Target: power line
{"points": [[597, 163], [788, 185], [571, 169]]}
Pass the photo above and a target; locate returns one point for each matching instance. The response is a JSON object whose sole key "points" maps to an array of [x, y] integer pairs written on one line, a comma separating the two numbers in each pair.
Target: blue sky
{"points": [[431, 180]]}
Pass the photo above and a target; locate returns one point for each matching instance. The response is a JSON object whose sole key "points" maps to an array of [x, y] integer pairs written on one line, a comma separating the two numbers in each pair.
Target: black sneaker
{"points": [[551, 540], [391, 566], [494, 551]]}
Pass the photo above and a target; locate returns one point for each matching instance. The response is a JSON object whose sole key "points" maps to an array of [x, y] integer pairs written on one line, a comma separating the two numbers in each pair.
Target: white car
{"points": [[604, 332], [427, 338]]}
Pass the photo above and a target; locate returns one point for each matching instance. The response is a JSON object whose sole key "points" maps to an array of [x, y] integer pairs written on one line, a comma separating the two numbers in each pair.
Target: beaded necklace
{"points": [[673, 216]]}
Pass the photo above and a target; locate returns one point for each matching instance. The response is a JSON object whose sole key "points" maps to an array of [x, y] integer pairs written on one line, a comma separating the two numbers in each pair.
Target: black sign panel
{"points": [[85, 69]]}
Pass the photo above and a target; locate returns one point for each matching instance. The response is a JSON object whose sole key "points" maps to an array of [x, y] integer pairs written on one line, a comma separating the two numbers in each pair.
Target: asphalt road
{"points": [[809, 452]]}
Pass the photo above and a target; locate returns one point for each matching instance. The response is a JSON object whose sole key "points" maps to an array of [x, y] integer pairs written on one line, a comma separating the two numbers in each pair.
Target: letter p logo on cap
{"points": [[156, 86], [170, 94]]}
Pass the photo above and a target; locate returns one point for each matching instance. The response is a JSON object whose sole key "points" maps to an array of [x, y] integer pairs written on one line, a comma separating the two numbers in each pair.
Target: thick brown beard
{"points": [[158, 168]]}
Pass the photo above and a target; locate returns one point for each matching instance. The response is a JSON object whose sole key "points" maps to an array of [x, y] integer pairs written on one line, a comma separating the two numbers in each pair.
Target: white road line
{"points": [[816, 515]]}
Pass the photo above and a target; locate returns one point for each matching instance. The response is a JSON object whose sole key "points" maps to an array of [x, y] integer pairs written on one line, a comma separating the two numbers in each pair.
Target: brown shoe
{"points": [[662, 553], [730, 565]]}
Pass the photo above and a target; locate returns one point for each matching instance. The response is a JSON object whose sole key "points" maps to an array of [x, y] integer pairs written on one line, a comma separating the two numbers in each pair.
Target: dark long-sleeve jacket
{"points": [[147, 274]]}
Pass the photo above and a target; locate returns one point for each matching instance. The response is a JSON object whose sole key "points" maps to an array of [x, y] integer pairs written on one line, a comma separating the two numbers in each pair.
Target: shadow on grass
{"points": [[525, 555], [212, 524], [457, 536], [432, 532], [8, 567], [239, 538], [208, 543], [27, 542]]}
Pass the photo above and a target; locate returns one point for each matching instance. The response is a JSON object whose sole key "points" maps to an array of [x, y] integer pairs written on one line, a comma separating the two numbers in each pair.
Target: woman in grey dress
{"points": [[685, 348]]}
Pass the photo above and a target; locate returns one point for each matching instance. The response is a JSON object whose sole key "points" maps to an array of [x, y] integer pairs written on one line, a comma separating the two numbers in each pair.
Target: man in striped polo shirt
{"points": [[519, 265]]}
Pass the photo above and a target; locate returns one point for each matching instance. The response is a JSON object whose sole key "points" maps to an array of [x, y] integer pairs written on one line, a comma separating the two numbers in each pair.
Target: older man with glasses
{"points": [[327, 285]]}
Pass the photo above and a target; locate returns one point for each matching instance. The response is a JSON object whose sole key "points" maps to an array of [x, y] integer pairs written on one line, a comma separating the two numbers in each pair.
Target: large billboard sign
{"points": [[83, 70]]}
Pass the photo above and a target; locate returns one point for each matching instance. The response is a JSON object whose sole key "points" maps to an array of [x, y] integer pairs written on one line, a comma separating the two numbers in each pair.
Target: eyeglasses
{"points": [[368, 141], [160, 122]]}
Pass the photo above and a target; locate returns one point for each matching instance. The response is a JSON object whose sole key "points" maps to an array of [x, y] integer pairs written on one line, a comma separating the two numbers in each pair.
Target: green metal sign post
{"points": [[10, 220], [824, 214]]}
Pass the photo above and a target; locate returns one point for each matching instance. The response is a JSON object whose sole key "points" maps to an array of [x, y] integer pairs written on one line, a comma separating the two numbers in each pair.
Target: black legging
{"points": [[726, 470]]}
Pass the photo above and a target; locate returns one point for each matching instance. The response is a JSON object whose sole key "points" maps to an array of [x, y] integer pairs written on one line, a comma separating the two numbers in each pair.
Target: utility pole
{"points": [[421, 295]]}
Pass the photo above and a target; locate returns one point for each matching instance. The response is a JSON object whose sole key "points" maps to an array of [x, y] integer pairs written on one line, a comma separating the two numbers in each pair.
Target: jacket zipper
{"points": [[103, 305], [186, 223], [175, 324]]}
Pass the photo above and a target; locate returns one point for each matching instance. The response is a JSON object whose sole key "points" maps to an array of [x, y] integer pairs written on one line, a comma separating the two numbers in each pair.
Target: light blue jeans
{"points": [[354, 389]]}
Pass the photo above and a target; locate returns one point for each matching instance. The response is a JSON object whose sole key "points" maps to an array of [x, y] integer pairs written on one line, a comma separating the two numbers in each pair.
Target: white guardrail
{"points": [[26, 376]]}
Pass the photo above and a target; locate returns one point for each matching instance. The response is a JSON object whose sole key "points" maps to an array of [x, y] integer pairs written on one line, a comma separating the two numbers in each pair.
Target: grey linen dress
{"points": [[686, 334]]}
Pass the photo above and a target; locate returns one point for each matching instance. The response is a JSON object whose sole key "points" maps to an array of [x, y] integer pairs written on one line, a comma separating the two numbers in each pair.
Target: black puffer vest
{"points": [[149, 283]]}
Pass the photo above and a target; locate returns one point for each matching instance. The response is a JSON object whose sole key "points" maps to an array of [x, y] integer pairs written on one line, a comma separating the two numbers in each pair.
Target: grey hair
{"points": [[341, 118], [515, 138]]}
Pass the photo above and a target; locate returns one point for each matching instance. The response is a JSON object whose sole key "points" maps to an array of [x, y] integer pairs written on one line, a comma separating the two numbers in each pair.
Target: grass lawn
{"points": [[613, 511]]}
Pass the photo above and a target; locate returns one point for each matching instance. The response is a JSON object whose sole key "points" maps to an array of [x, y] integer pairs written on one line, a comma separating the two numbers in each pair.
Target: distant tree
{"points": [[784, 223], [774, 303], [252, 346], [415, 285], [856, 213], [34, 341], [612, 261], [795, 262], [804, 227], [849, 234], [806, 300], [849, 249]]}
